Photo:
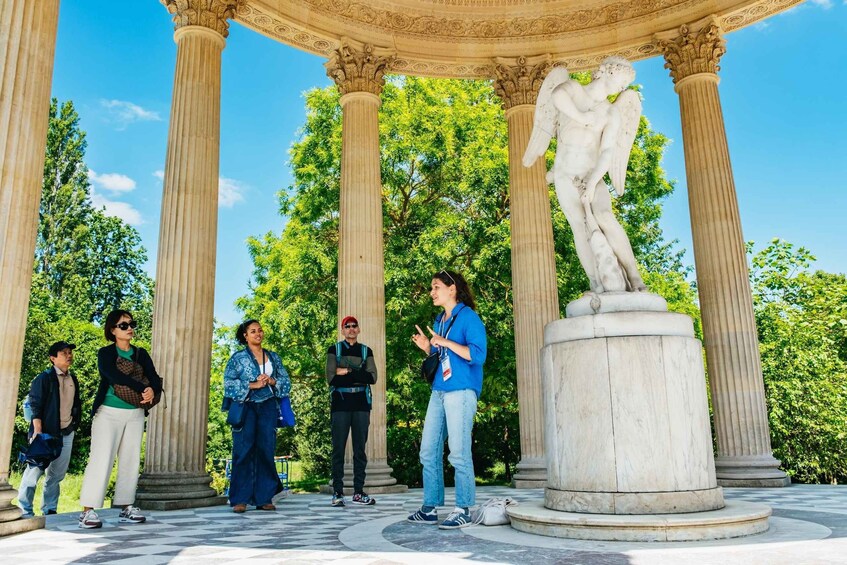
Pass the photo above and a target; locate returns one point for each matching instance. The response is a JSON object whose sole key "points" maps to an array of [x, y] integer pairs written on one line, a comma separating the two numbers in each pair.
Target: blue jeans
{"points": [[449, 415], [55, 473], [254, 479]]}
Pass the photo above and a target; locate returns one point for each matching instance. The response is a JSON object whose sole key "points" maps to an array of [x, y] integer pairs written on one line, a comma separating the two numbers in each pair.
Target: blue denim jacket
{"points": [[242, 368]]}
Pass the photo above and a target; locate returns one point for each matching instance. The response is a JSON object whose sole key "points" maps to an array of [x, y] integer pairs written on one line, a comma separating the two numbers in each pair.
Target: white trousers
{"points": [[114, 432]]}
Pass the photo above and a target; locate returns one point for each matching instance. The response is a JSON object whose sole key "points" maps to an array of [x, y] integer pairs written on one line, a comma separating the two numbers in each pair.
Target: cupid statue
{"points": [[594, 137]]}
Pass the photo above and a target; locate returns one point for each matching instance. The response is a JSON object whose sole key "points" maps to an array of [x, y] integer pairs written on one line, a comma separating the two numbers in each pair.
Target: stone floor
{"points": [[809, 526]]}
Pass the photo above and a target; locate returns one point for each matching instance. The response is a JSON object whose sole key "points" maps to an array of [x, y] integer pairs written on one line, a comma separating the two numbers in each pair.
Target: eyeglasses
{"points": [[126, 325], [348, 326], [446, 274]]}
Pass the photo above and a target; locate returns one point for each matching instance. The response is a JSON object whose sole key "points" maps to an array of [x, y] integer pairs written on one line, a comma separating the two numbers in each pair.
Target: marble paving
{"points": [[809, 526]]}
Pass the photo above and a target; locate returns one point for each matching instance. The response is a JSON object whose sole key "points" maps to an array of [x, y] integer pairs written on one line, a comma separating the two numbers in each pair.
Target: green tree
{"points": [[444, 166], [86, 264], [801, 317]]}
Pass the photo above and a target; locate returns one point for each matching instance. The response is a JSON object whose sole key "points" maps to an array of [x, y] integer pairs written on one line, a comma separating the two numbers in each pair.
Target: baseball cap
{"points": [[348, 319], [59, 346]]}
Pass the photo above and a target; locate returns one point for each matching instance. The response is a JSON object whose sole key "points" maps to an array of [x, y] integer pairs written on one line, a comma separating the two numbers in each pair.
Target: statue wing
{"points": [[546, 116], [628, 105]]}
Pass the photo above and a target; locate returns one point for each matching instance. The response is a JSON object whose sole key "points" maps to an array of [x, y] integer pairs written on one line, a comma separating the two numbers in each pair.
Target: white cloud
{"points": [[159, 174], [230, 191], [122, 210], [825, 4], [114, 182], [124, 112]]}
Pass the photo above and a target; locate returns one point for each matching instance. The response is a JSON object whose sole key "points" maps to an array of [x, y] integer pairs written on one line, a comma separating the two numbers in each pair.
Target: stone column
{"points": [[175, 465], [27, 45], [732, 351], [535, 294], [358, 72]]}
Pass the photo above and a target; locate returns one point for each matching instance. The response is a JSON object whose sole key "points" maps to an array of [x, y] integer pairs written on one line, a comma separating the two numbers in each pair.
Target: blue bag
{"points": [[235, 414], [286, 414]]}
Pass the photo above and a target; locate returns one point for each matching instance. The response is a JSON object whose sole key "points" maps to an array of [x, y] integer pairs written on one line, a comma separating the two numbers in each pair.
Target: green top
{"points": [[111, 399]]}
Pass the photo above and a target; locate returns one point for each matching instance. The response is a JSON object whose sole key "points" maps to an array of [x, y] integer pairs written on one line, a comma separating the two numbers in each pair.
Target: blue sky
{"points": [[782, 84]]}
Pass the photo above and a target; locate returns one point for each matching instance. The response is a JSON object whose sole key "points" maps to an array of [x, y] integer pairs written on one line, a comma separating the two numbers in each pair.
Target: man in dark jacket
{"points": [[56, 408], [350, 370]]}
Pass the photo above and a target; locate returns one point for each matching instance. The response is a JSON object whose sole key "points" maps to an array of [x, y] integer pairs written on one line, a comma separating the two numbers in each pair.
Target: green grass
{"points": [[68, 494], [72, 484]]}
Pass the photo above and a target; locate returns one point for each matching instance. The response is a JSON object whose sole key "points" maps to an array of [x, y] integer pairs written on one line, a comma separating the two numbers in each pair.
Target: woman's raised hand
{"points": [[421, 340]]}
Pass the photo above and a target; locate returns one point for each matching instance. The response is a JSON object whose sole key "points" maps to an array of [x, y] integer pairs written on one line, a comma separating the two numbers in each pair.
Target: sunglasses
{"points": [[126, 325], [446, 274], [348, 326]]}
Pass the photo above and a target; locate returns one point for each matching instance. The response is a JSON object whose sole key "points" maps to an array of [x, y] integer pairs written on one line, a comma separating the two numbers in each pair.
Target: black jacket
{"points": [[107, 364], [44, 402]]}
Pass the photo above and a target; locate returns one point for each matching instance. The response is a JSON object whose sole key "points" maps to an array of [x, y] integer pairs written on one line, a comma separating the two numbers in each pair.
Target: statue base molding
{"points": [[735, 519]]}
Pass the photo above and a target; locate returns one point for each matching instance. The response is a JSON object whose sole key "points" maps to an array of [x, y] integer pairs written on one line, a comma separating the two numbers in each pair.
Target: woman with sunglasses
{"points": [[117, 426], [459, 339], [254, 382]]}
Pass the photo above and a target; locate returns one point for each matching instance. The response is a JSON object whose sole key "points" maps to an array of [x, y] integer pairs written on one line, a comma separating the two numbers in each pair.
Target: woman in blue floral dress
{"points": [[254, 381]]}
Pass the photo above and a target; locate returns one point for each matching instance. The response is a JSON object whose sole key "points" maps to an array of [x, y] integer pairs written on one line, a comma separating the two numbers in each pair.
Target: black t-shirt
{"points": [[362, 374]]}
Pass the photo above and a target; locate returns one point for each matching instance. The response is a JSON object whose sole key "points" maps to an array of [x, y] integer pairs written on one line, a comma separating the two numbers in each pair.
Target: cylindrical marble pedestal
{"points": [[627, 437], [627, 416]]}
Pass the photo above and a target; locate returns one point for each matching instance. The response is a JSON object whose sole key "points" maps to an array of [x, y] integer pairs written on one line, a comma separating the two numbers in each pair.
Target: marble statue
{"points": [[594, 137]]}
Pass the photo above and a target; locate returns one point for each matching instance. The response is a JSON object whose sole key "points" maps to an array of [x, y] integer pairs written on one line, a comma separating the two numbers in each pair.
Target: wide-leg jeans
{"points": [[449, 416], [54, 474], [254, 479]]}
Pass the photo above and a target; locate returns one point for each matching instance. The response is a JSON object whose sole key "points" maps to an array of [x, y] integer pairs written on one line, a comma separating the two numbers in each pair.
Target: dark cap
{"points": [[59, 346]]}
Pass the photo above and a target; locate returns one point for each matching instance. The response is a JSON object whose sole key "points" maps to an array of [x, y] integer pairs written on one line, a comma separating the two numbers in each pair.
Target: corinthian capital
{"points": [[212, 14], [518, 80], [692, 49], [358, 70]]}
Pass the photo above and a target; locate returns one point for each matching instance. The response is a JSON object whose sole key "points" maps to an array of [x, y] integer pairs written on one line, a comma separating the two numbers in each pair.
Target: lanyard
{"points": [[443, 350]]}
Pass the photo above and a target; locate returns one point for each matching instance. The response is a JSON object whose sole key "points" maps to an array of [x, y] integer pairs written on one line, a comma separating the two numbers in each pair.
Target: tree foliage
{"points": [[86, 263], [444, 166], [801, 318]]}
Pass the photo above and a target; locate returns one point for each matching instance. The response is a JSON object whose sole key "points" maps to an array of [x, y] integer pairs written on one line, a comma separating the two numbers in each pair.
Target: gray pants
{"points": [[55, 473], [342, 424]]}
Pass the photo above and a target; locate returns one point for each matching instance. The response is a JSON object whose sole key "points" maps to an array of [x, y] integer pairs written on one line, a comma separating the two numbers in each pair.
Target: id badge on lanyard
{"points": [[446, 370]]}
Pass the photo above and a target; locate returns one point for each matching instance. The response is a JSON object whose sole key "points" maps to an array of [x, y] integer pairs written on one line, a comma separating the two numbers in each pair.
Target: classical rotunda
{"points": [[514, 43]]}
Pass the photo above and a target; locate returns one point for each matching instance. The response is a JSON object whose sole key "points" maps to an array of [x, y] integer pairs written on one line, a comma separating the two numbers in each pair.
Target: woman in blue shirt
{"points": [[257, 378], [459, 338]]}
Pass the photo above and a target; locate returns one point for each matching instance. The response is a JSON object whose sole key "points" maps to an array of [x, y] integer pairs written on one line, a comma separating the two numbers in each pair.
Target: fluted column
{"points": [[358, 72], [732, 351], [535, 296], [174, 467], [27, 45]]}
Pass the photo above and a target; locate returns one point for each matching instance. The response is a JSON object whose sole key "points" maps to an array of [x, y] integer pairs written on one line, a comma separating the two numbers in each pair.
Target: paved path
{"points": [[809, 526]]}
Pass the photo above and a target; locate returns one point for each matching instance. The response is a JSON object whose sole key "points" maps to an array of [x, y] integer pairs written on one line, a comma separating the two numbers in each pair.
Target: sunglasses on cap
{"points": [[348, 326], [127, 325]]}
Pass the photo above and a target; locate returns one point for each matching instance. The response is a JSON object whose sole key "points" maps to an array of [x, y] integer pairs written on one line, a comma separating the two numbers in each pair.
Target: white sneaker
{"points": [[132, 514], [89, 519]]}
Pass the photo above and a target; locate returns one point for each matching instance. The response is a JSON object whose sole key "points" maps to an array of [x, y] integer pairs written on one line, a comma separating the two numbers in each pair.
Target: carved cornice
{"points": [[693, 49], [358, 69], [491, 25], [212, 14], [518, 80]]}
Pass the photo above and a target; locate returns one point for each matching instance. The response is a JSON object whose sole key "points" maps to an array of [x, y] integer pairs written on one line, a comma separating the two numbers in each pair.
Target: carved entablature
{"points": [[518, 80], [692, 49], [357, 69], [212, 14]]}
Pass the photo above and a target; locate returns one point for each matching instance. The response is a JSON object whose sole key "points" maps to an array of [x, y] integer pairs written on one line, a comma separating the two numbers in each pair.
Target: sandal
{"points": [[239, 508], [269, 507]]}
